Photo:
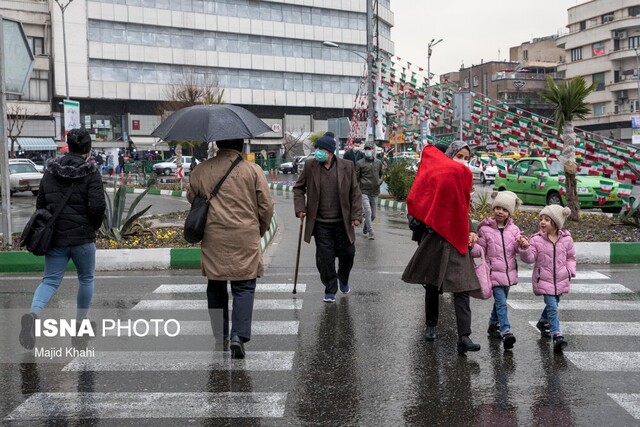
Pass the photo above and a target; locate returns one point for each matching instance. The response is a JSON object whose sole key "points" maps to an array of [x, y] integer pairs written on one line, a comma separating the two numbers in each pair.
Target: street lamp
{"points": [[370, 83], [63, 7], [430, 46]]}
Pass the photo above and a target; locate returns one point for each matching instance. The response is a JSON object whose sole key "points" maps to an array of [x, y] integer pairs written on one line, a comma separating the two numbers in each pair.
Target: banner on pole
{"points": [[71, 115]]}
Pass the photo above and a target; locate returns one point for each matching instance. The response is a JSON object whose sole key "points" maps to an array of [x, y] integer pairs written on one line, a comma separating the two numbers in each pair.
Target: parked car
{"points": [[169, 166], [485, 171], [289, 167], [39, 168], [528, 188], [23, 176], [407, 155]]}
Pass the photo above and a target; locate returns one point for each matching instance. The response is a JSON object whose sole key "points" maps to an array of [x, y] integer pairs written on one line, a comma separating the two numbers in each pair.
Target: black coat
{"points": [[84, 211]]}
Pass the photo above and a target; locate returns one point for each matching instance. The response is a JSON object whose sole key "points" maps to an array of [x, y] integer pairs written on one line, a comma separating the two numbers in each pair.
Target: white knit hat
{"points": [[557, 213], [507, 200]]}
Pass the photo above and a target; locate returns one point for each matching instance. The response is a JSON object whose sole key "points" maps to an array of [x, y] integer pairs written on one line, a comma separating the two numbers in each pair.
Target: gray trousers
{"points": [[218, 299], [369, 208]]}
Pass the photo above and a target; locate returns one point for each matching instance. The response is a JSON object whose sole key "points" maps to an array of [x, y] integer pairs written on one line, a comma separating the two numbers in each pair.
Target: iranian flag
{"points": [[606, 186], [502, 170], [627, 203], [624, 190], [601, 197], [562, 179], [542, 182]]}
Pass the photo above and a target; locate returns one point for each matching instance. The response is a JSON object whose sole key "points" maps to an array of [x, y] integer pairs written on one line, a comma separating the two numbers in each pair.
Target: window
{"points": [[599, 109], [634, 11], [37, 45], [598, 79], [475, 81], [634, 42], [634, 105], [38, 88], [576, 54], [583, 25], [525, 54], [607, 18], [534, 167], [597, 49], [466, 83]]}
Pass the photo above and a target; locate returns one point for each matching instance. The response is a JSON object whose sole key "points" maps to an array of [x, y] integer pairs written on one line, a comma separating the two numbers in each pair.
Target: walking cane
{"points": [[295, 275]]}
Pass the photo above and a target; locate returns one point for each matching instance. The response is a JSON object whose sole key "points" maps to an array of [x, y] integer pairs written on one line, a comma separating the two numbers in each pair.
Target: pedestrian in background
{"points": [[440, 198], [74, 233], [237, 219], [354, 153], [332, 209], [553, 254], [369, 176], [500, 239]]}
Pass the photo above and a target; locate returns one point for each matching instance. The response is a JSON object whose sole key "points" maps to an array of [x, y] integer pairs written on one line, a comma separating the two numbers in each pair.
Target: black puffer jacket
{"points": [[83, 213]]}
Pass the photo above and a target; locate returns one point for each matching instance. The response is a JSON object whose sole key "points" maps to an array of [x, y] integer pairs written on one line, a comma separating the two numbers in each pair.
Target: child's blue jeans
{"points": [[499, 312], [550, 313]]}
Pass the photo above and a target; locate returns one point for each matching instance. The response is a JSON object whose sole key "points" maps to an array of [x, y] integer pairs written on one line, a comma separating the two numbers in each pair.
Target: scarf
{"points": [[440, 197]]}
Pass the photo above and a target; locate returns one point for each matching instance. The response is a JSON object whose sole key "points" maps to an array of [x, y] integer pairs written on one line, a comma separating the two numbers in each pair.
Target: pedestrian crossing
{"points": [[191, 404], [594, 293]]}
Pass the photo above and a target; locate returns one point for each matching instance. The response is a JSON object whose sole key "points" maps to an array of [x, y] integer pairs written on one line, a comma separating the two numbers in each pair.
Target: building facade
{"points": [[601, 44], [267, 56]]}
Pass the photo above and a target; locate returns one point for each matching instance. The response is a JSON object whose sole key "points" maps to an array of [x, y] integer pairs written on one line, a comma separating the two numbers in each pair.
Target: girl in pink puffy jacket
{"points": [[553, 254], [501, 240]]}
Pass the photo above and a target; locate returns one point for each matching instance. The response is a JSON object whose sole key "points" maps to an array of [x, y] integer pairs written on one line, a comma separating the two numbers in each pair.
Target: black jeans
{"points": [[332, 241], [460, 302], [218, 298]]}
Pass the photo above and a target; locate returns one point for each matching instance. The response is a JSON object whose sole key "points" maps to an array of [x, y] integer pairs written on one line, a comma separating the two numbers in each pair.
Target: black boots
{"points": [[508, 341], [494, 331], [559, 344], [543, 327], [465, 344], [237, 348], [430, 333]]}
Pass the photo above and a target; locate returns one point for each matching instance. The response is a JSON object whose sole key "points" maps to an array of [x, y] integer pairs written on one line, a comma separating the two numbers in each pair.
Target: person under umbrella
{"points": [[238, 217]]}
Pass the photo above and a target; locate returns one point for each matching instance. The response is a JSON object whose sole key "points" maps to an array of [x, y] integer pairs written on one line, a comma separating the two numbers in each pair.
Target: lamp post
{"points": [[637, 76], [63, 7], [430, 46], [370, 82]]}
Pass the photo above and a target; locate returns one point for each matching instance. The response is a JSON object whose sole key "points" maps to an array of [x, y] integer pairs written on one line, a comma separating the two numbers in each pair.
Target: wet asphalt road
{"points": [[361, 361]]}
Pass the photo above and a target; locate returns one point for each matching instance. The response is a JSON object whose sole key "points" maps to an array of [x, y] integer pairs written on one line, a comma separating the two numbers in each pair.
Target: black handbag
{"points": [[38, 232], [197, 218]]}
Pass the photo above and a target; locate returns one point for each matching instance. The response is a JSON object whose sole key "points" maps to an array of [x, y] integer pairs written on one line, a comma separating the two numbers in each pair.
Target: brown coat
{"points": [[238, 217], [350, 197]]}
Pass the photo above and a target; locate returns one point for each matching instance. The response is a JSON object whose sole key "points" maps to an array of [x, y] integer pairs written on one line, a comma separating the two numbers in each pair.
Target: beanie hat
{"points": [[79, 141], [507, 200], [557, 213], [327, 142]]}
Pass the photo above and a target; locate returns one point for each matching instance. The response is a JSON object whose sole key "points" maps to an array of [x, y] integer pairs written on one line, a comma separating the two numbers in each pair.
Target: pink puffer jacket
{"points": [[555, 264], [500, 249]]}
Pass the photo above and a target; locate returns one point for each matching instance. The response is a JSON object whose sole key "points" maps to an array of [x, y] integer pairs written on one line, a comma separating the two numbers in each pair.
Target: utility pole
{"points": [[430, 46], [638, 77], [370, 80], [4, 163], [64, 47]]}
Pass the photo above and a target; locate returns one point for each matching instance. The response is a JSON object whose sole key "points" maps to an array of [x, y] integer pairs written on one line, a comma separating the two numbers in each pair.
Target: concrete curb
{"points": [[124, 259], [587, 252]]}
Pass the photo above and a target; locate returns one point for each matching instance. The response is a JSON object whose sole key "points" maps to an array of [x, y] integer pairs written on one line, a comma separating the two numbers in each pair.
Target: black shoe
{"points": [[28, 331], [465, 344], [559, 344], [508, 341], [543, 327], [494, 331], [237, 348], [430, 333]]}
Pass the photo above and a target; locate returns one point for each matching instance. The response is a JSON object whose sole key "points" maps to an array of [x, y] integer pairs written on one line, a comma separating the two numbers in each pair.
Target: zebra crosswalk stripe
{"points": [[139, 405], [258, 304], [182, 361], [202, 288], [258, 327], [629, 401], [599, 328], [591, 305], [605, 361], [579, 288]]}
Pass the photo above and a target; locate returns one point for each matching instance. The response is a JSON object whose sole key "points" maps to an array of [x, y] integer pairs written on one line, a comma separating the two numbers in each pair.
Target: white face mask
{"points": [[368, 153]]}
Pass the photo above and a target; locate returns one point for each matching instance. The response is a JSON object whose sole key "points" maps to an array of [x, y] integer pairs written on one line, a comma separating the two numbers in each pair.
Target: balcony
{"points": [[504, 75]]}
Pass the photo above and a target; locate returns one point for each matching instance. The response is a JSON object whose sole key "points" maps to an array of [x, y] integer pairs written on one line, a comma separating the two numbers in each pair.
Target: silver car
{"points": [[23, 176]]}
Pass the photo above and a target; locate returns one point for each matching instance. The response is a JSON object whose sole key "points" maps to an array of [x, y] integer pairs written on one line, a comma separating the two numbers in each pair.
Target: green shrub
{"points": [[399, 178]]}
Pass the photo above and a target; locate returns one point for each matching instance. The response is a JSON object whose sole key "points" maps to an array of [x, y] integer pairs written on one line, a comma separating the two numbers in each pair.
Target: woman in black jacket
{"points": [[75, 229]]}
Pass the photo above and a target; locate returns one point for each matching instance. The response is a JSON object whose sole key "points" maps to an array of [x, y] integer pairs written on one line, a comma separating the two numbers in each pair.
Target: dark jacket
{"points": [[369, 175], [84, 211], [308, 185], [353, 155]]}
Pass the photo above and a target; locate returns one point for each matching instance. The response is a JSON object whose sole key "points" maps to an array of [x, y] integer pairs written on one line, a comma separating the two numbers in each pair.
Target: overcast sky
{"points": [[472, 30]]}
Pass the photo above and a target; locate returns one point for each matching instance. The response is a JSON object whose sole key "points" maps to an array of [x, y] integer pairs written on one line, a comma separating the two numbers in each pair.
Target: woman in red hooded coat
{"points": [[440, 198]]}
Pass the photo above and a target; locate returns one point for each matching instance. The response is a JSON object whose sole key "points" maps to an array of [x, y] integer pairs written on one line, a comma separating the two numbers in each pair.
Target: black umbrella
{"points": [[208, 123]]}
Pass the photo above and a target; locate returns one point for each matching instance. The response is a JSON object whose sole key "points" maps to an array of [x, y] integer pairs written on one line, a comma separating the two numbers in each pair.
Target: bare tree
{"points": [[17, 116], [194, 88], [294, 143]]}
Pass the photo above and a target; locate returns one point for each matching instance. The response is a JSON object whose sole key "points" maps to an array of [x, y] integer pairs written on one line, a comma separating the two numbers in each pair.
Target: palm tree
{"points": [[568, 100]]}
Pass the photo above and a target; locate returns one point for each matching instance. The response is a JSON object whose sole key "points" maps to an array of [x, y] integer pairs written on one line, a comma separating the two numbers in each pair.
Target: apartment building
{"points": [[32, 111], [268, 56], [601, 44]]}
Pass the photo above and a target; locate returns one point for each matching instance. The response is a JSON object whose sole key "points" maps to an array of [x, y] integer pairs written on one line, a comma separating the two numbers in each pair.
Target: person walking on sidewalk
{"points": [[440, 198], [553, 254], [238, 217], [332, 209], [500, 238], [74, 235], [369, 175]]}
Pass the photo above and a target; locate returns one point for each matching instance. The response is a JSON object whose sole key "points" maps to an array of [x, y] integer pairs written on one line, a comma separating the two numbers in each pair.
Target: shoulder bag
{"points": [[197, 218], [484, 277], [38, 232]]}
